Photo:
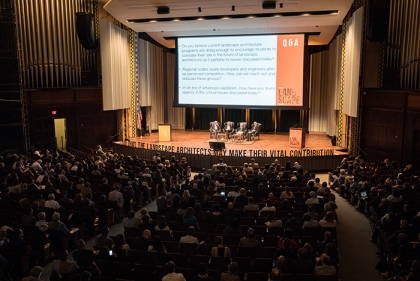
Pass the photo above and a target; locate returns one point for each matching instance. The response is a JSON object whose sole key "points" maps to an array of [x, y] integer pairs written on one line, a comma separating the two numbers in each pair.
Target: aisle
{"points": [[358, 259]]}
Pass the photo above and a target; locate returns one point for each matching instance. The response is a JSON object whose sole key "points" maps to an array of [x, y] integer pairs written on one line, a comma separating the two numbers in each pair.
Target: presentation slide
{"points": [[244, 71]]}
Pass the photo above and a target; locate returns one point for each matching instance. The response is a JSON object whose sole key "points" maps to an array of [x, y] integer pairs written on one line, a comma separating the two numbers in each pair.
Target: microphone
{"points": [[295, 126]]}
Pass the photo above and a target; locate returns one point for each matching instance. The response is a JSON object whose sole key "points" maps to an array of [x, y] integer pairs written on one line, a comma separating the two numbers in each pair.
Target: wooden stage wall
{"points": [[198, 154]]}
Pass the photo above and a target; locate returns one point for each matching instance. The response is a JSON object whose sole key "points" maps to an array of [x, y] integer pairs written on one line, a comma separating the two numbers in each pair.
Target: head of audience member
{"points": [[105, 231], [233, 268], [190, 230], [147, 234], [251, 233], [170, 267]]}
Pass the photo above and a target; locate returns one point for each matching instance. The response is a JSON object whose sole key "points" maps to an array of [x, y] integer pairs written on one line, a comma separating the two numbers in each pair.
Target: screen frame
{"points": [[305, 80]]}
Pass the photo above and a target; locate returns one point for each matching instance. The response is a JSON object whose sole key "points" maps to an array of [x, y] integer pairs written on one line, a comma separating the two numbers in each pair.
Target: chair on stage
{"points": [[214, 129], [240, 132], [256, 133], [228, 129]]}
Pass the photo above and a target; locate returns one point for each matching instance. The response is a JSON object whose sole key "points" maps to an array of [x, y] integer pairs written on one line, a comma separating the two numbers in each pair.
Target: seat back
{"points": [[229, 123], [238, 126]]}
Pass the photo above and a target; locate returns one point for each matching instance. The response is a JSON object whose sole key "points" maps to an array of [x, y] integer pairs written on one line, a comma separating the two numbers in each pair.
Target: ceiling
{"points": [[294, 17]]}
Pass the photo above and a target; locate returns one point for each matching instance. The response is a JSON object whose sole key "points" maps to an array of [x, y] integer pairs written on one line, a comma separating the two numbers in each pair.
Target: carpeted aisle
{"points": [[358, 258]]}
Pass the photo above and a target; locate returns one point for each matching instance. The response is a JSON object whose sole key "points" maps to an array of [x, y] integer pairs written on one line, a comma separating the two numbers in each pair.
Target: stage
{"points": [[317, 155]]}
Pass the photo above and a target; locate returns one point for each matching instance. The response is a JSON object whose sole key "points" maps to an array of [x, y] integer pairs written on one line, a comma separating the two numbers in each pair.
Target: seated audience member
{"points": [[84, 258], [287, 194], [303, 265], [234, 193], [162, 225], [274, 202], [309, 222], [312, 200], [329, 207], [103, 239], [143, 242], [230, 213], [251, 206], [170, 273], [268, 206], [56, 224], [287, 251], [328, 220], [189, 217], [35, 274], [249, 240], [273, 222], [220, 250], [291, 221], [325, 268], [119, 243], [131, 221], [51, 203], [328, 238], [157, 245], [242, 198], [312, 212], [28, 218], [233, 228], [288, 234], [231, 275], [189, 238], [202, 273], [63, 265]]}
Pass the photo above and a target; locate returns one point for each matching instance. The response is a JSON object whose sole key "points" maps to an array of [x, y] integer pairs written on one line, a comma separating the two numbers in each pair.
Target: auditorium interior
{"points": [[108, 165]]}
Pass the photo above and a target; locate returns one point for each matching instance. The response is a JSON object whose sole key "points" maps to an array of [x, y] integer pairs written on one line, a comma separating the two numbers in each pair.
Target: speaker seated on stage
{"points": [[255, 130], [240, 130], [228, 128], [214, 129]]}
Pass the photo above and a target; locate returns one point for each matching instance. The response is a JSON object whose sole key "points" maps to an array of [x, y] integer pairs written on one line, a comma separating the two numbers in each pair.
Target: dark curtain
{"points": [[263, 116], [203, 117], [288, 118], [234, 115]]}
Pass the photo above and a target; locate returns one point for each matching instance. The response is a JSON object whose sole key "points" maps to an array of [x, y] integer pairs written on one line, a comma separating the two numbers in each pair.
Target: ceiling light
{"points": [[199, 9], [233, 8]]}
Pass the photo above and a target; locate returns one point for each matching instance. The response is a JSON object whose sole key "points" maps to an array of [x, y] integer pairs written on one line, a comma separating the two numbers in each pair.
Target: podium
{"points": [[165, 132], [297, 137]]}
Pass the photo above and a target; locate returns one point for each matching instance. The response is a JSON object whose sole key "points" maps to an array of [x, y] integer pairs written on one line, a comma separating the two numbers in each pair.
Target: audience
{"points": [[388, 189]]}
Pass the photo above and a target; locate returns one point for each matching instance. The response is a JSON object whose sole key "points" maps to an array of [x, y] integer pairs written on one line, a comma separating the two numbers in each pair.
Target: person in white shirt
{"points": [[117, 196], [170, 273], [51, 203], [312, 199], [189, 238], [36, 166]]}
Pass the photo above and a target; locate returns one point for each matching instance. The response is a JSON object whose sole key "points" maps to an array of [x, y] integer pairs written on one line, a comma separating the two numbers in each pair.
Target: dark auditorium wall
{"points": [[391, 125], [87, 124]]}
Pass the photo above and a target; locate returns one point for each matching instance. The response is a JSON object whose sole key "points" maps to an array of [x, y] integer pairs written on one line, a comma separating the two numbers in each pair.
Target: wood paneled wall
{"points": [[390, 125], [87, 124]]}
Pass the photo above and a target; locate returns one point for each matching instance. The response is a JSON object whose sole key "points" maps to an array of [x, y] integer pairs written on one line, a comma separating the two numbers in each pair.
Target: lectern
{"points": [[165, 132], [297, 137]]}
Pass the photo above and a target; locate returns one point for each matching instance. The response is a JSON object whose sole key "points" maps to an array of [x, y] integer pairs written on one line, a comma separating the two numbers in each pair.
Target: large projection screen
{"points": [[259, 71]]}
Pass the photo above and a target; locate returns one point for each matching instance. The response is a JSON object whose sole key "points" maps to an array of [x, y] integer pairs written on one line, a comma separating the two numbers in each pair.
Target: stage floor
{"points": [[267, 142]]}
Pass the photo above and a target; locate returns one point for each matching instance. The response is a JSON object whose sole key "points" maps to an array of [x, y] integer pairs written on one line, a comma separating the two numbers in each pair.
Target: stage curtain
{"points": [[115, 66], [263, 116], [288, 118], [176, 115], [325, 89], [353, 46], [235, 115], [204, 116]]}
